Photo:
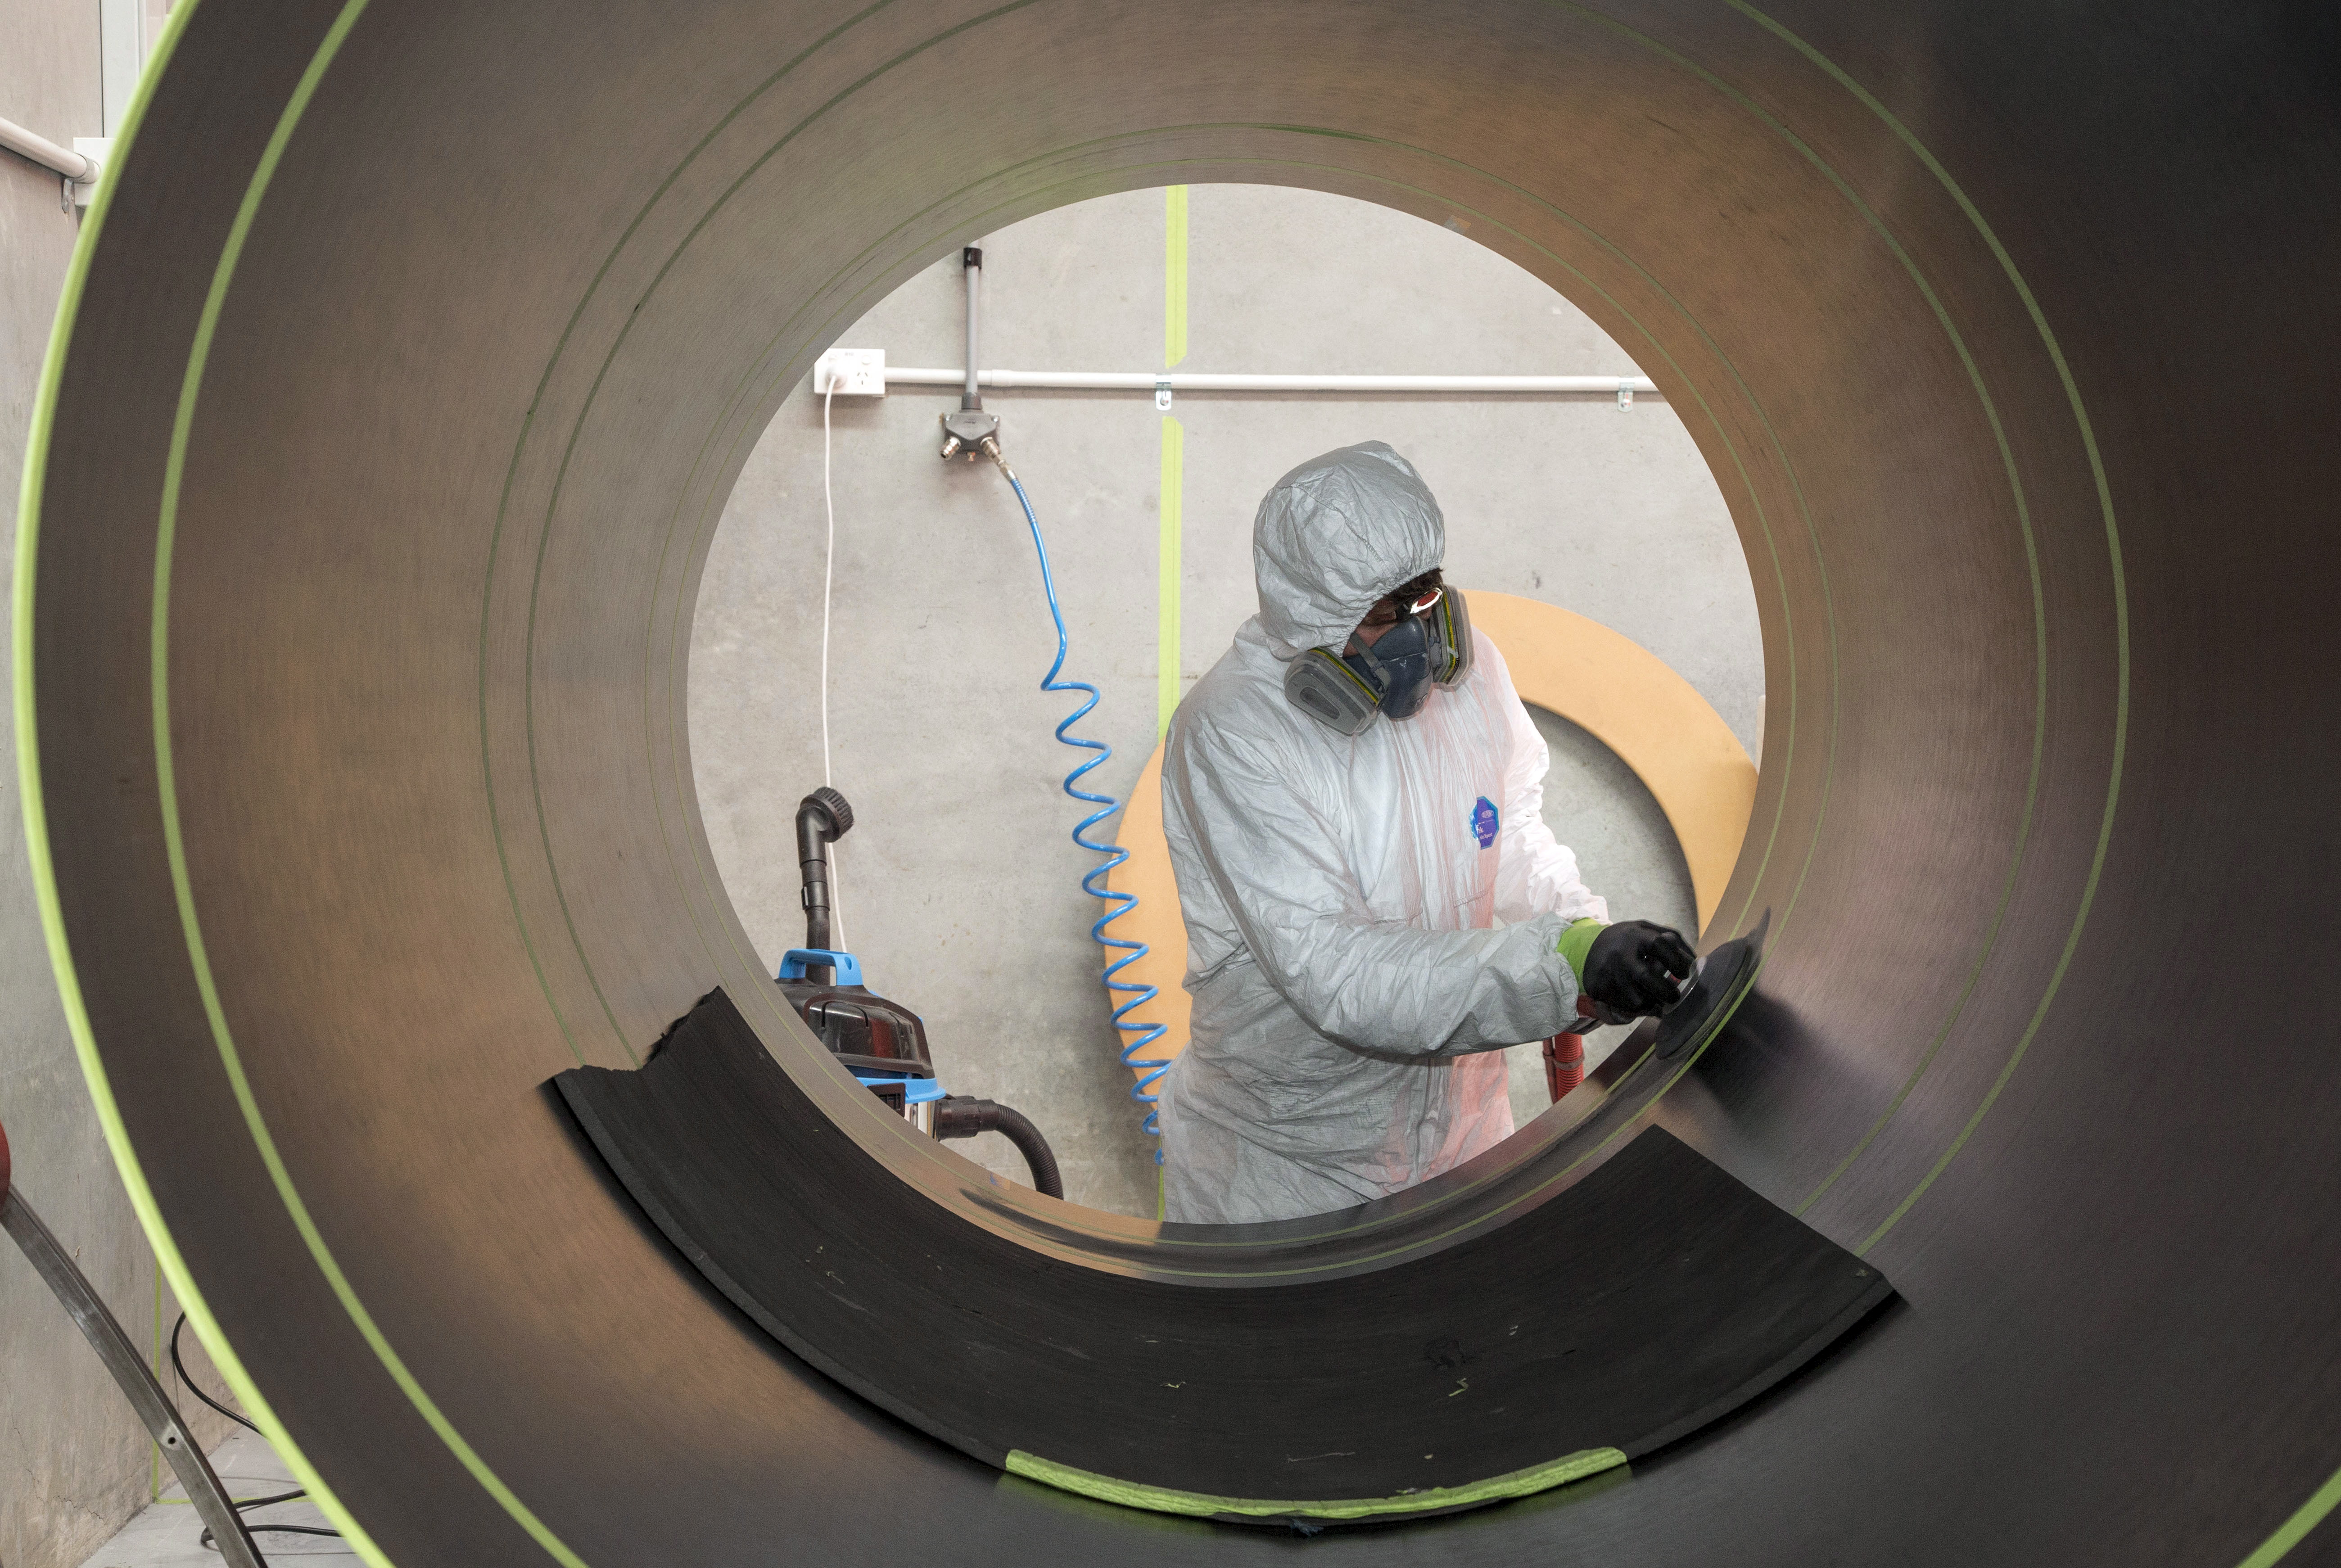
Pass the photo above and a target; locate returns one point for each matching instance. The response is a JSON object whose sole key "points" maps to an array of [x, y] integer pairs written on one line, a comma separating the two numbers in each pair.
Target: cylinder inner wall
{"points": [[404, 379]]}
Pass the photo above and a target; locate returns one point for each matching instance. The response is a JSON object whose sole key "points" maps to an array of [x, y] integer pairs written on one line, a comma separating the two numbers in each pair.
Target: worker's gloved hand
{"points": [[1637, 968]]}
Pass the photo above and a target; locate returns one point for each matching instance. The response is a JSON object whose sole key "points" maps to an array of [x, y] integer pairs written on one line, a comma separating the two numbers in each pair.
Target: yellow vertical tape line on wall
{"points": [[1174, 275], [1166, 631]]}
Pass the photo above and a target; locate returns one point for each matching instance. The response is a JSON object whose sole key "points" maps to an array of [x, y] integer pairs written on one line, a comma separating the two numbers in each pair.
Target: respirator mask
{"points": [[1429, 644]]}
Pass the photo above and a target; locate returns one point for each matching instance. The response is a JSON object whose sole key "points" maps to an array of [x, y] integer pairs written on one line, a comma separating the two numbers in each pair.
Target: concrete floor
{"points": [[166, 1533], [960, 887]]}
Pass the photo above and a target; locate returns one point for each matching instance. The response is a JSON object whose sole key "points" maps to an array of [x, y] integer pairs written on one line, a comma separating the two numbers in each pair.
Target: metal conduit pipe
{"points": [[383, 813], [1193, 380], [26, 144], [972, 270]]}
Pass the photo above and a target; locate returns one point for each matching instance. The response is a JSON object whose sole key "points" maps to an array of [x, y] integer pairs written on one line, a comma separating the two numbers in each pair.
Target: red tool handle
{"points": [[1564, 1063], [1564, 1056]]}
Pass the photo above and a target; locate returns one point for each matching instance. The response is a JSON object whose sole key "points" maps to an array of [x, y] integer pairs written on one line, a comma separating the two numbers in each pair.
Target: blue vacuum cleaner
{"points": [[881, 1042]]}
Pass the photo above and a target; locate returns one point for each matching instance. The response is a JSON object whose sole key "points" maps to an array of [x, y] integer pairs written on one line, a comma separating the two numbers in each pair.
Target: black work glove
{"points": [[1638, 968]]}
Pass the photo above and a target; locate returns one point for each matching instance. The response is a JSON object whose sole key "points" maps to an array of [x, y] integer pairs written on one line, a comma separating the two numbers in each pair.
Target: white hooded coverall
{"points": [[1353, 989]]}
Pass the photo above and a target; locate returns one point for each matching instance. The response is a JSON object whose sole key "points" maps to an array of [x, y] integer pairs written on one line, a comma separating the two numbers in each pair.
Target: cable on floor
{"points": [[179, 1365]]}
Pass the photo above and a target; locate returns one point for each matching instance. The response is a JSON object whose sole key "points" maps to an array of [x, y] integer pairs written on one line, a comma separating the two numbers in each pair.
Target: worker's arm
{"points": [[1534, 873], [1277, 863], [1631, 968]]}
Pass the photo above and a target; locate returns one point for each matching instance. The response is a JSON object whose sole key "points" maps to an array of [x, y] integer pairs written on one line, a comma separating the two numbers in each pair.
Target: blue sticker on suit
{"points": [[1483, 823]]}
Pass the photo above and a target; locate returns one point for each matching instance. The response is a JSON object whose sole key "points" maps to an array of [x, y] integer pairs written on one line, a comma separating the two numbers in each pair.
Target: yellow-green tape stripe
{"points": [[2294, 1530], [174, 475], [1174, 274], [1163, 1500], [141, 1193]]}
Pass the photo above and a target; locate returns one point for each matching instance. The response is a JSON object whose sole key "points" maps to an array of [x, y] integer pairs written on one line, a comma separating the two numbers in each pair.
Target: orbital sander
{"points": [[1715, 987]]}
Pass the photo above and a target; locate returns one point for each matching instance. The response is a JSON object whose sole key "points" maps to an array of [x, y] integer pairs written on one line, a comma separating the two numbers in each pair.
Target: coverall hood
{"points": [[1334, 535]]}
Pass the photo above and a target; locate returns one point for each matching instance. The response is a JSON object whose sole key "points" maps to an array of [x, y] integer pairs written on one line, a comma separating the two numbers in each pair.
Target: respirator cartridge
{"points": [[1429, 644]]}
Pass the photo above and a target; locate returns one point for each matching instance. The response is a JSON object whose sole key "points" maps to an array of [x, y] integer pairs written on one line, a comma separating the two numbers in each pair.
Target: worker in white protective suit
{"points": [[1353, 800]]}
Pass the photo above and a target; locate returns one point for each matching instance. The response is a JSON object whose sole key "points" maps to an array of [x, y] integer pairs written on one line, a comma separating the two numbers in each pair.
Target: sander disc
{"points": [[1725, 975]]}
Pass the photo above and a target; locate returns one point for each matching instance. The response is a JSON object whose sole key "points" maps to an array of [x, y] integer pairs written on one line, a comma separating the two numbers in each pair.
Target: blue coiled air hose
{"points": [[1150, 1069]]}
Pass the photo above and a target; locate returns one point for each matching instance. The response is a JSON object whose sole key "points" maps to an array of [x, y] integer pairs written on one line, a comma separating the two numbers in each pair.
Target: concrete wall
{"points": [[959, 883], [74, 1462]]}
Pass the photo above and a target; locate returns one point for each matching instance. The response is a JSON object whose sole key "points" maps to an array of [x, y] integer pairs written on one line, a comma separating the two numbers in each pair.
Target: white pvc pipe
{"points": [[1189, 380], [45, 152]]}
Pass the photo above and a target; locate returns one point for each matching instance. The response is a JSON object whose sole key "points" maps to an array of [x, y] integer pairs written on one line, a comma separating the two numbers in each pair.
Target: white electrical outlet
{"points": [[851, 372]]}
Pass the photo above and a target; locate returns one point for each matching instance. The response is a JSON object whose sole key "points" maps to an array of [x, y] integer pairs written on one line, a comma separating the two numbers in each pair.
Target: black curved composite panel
{"points": [[1626, 1312]]}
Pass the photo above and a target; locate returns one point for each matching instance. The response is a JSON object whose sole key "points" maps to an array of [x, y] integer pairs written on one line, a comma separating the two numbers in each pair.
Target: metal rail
{"points": [[73, 169], [97, 1325], [1193, 380], [30, 145]]}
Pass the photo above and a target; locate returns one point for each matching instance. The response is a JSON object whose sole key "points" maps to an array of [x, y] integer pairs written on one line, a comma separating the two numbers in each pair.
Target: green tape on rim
{"points": [[1163, 1500]]}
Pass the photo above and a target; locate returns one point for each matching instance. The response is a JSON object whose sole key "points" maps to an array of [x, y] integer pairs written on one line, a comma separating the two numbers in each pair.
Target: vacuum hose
{"points": [[960, 1116], [823, 818]]}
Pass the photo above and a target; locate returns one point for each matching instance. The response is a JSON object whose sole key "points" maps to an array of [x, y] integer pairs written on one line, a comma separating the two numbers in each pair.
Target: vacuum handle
{"points": [[823, 818], [798, 961]]}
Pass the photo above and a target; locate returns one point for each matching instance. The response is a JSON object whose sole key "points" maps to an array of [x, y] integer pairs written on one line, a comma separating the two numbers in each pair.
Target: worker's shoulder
{"points": [[1238, 706], [1488, 661], [1489, 682]]}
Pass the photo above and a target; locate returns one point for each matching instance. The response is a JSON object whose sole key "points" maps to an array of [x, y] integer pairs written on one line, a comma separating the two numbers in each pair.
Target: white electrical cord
{"points": [[828, 566], [828, 570]]}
